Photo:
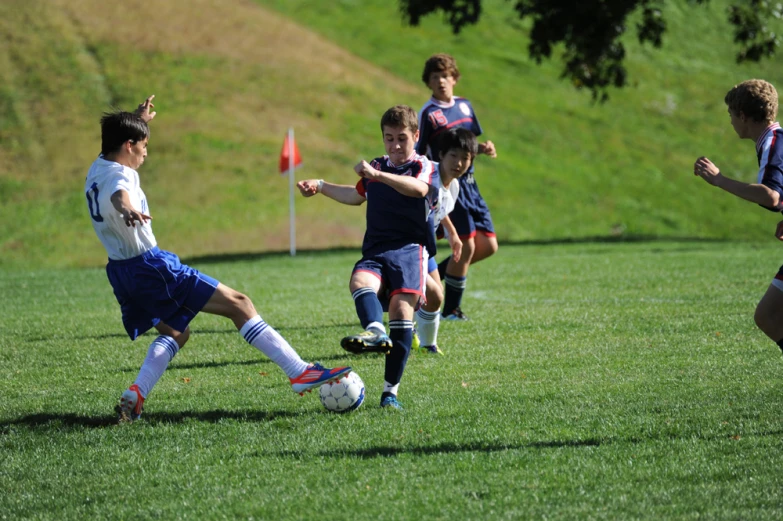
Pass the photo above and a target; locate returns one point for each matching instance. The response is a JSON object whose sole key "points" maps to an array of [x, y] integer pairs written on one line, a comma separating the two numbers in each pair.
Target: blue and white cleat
{"points": [[456, 315], [131, 405], [315, 376], [370, 341], [390, 402]]}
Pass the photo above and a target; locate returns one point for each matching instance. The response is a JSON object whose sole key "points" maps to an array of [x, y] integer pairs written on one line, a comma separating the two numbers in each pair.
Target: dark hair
{"points": [[458, 138], [119, 127], [757, 99], [437, 63], [400, 116]]}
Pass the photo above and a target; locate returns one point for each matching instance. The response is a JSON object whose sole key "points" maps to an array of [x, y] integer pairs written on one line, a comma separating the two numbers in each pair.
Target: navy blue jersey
{"points": [[769, 151], [395, 220], [436, 117]]}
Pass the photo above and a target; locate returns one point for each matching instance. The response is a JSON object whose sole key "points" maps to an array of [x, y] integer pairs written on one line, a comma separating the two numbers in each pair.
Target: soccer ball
{"points": [[345, 396]]}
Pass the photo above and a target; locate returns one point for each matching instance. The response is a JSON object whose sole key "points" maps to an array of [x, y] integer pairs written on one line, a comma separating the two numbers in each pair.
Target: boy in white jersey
{"points": [[151, 285], [458, 147], [753, 108]]}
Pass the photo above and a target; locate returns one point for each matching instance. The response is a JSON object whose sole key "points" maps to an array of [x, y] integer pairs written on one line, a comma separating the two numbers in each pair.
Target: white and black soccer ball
{"points": [[345, 396]]}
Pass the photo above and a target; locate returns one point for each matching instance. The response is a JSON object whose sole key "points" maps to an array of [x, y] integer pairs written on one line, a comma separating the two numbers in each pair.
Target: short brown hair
{"points": [[437, 63], [401, 116], [757, 99]]}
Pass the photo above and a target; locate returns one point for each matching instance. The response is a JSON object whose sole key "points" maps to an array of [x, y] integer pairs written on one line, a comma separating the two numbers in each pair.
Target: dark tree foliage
{"points": [[590, 31]]}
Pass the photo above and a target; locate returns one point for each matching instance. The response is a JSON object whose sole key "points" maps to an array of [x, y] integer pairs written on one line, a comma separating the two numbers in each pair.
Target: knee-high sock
{"points": [[401, 335], [368, 308], [442, 267], [263, 337], [427, 324], [160, 353], [455, 287]]}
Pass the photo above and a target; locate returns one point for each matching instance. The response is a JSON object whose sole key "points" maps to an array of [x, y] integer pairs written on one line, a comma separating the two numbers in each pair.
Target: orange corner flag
{"points": [[289, 149]]}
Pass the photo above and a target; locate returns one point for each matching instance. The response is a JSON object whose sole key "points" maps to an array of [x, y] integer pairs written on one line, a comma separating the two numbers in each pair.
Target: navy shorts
{"points": [[155, 287], [470, 212], [400, 271]]}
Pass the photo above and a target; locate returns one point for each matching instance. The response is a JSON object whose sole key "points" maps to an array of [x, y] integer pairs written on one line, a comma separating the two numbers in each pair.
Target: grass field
{"points": [[595, 381]]}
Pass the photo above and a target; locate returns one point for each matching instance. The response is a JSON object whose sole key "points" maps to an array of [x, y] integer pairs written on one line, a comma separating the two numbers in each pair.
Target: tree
{"points": [[591, 31]]}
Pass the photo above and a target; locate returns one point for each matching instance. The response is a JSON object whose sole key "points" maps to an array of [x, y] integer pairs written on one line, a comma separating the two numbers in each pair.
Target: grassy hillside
{"points": [[231, 76]]}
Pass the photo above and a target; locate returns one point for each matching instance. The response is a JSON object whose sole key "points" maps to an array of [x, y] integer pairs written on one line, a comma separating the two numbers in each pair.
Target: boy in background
{"points": [[753, 109], [458, 147], [152, 287], [471, 216], [398, 189]]}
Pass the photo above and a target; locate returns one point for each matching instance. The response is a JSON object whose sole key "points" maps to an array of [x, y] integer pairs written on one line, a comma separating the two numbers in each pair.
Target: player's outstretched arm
{"points": [[753, 192], [454, 241], [409, 186], [345, 194], [121, 202], [143, 110]]}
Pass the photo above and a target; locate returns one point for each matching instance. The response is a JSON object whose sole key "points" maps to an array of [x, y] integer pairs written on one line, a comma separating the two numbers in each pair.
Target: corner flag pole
{"points": [[291, 188]]}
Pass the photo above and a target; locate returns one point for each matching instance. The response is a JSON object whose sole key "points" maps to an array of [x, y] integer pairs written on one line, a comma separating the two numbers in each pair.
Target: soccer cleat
{"points": [[433, 350], [131, 404], [416, 342], [457, 314], [315, 376], [390, 402], [367, 342]]}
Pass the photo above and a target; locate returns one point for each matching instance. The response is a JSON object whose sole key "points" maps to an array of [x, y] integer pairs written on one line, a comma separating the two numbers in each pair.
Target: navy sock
{"points": [[368, 307], [401, 335], [442, 267], [455, 287]]}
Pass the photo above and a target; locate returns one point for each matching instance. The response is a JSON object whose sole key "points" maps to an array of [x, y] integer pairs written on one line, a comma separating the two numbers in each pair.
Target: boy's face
{"points": [[455, 162], [739, 123], [400, 143], [441, 84], [137, 153]]}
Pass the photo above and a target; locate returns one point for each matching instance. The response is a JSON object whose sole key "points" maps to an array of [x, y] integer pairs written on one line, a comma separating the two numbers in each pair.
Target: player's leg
{"points": [[769, 312], [427, 317], [403, 270], [486, 240], [455, 273], [364, 285], [485, 246], [237, 307], [161, 351]]}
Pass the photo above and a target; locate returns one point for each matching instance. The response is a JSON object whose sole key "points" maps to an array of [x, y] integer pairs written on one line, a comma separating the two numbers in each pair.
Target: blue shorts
{"points": [[400, 271], [470, 212], [155, 287], [432, 265]]}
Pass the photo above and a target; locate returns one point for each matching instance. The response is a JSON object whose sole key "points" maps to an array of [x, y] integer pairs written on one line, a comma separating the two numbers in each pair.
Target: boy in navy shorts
{"points": [[399, 189], [753, 109], [153, 288], [471, 216]]}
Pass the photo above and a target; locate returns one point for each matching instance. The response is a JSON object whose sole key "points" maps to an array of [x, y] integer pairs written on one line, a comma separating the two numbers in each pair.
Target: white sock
{"points": [[160, 353], [427, 324], [376, 325], [389, 388], [263, 337]]}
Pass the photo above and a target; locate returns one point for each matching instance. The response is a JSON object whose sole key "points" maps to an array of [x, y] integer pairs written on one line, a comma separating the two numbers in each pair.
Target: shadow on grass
{"points": [[58, 421], [596, 239]]}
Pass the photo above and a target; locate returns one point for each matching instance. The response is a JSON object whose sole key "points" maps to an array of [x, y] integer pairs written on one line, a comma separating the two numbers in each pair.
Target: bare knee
{"points": [[434, 296]]}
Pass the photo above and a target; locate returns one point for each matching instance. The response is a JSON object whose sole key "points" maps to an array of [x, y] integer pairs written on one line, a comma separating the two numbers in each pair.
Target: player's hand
{"points": [[131, 215], [779, 231], [456, 248], [707, 170], [364, 169], [308, 188], [143, 110], [489, 149]]}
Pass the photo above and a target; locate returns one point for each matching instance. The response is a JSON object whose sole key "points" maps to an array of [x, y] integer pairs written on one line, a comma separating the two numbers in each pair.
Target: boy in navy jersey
{"points": [[399, 189], [153, 288], [471, 216], [753, 108]]}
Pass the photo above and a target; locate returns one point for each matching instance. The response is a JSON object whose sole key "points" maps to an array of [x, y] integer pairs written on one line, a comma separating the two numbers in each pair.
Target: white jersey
{"points": [[447, 198], [121, 241]]}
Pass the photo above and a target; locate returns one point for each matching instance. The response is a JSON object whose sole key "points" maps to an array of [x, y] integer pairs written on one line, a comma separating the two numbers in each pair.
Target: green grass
{"points": [[595, 381], [231, 77]]}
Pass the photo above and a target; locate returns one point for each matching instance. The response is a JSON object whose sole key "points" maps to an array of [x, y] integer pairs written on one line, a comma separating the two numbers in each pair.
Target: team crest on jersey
{"points": [[464, 108]]}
